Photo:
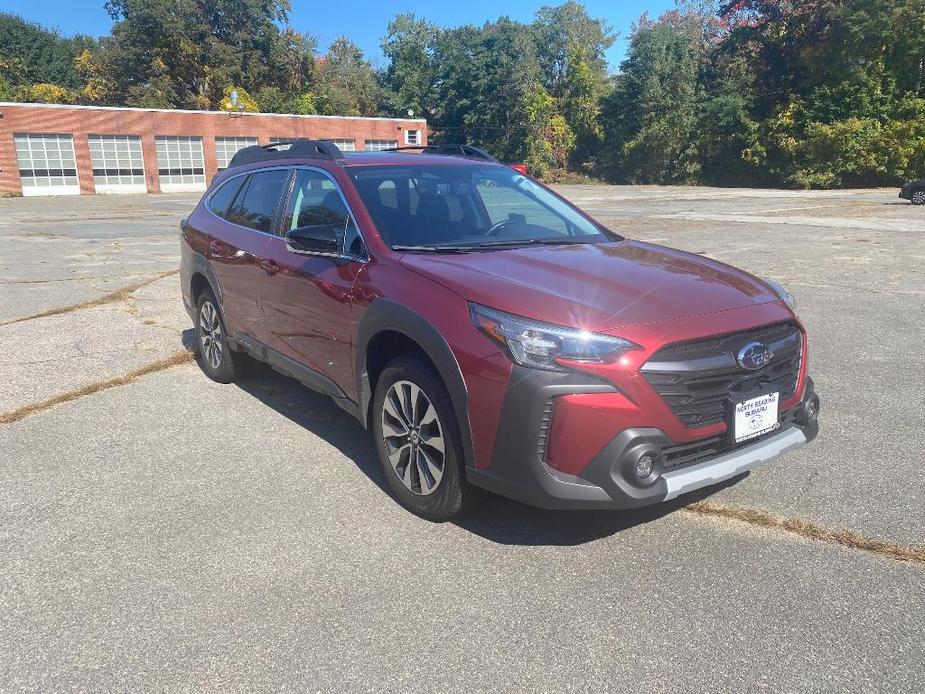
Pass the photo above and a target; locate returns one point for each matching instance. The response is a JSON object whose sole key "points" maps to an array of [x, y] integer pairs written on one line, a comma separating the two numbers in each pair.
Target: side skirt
{"points": [[305, 375]]}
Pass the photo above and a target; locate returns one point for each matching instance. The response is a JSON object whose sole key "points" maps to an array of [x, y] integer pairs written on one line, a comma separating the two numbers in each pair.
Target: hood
{"points": [[594, 286]]}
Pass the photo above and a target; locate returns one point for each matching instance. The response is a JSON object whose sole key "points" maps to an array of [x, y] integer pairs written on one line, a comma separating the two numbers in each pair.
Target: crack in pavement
{"points": [[809, 530], [62, 279], [749, 516], [176, 359], [112, 297]]}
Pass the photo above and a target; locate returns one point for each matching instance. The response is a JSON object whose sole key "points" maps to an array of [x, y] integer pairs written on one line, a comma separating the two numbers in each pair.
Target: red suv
{"points": [[490, 334]]}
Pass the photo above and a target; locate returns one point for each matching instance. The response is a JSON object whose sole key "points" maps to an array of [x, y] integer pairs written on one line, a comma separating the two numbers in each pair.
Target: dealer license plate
{"points": [[754, 417]]}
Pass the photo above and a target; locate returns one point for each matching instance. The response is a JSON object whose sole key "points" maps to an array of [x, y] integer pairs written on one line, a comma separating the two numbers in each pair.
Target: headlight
{"points": [[538, 345], [782, 292]]}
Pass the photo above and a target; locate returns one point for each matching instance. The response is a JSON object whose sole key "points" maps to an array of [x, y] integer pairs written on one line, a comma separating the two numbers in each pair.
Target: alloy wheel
{"points": [[918, 197], [413, 437], [210, 334]]}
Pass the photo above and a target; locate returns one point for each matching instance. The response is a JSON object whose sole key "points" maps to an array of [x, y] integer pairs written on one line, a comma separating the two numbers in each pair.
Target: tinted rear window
{"points": [[220, 200], [255, 206]]}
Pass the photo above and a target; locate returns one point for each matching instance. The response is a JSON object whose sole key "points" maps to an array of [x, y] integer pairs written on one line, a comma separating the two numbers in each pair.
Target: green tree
{"points": [[32, 54], [566, 34], [185, 53], [571, 49], [409, 80], [652, 115], [486, 78], [831, 82], [347, 84], [550, 140]]}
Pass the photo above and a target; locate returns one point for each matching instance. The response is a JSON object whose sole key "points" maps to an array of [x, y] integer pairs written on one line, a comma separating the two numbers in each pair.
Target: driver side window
{"points": [[315, 201]]}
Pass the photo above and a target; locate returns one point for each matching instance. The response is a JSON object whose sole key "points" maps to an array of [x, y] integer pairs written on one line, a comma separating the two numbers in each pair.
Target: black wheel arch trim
{"points": [[201, 266], [385, 315]]}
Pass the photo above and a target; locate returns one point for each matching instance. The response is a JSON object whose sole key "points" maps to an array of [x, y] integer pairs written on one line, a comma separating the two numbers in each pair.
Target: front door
{"points": [[307, 298]]}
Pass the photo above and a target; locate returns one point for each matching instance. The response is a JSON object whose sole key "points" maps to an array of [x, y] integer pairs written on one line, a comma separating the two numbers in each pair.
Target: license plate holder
{"points": [[753, 416]]}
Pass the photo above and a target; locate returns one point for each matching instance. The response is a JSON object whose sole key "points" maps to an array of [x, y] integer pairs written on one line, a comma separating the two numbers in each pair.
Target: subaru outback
{"points": [[489, 334]]}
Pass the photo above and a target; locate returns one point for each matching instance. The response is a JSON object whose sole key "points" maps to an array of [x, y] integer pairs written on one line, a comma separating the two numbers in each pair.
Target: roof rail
{"points": [[448, 150], [316, 149]]}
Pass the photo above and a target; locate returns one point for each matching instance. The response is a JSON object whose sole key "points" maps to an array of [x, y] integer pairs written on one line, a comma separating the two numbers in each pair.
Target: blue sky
{"points": [[364, 21]]}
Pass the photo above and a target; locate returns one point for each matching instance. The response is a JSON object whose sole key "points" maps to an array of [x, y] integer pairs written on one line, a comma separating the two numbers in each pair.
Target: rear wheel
{"points": [[418, 441], [216, 357], [918, 196]]}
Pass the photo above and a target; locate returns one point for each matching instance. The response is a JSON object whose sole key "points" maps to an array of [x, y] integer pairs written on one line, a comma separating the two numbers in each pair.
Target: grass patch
{"points": [[112, 297], [175, 359], [810, 531]]}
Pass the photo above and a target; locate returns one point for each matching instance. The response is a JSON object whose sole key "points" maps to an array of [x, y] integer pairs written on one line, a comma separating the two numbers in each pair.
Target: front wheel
{"points": [[918, 197], [418, 441]]}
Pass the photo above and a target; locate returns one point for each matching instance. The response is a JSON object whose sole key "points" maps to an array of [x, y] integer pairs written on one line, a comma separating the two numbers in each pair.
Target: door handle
{"points": [[269, 265]]}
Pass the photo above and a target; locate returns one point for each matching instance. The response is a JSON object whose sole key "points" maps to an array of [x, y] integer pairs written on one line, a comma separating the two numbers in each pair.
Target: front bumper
{"points": [[518, 469]]}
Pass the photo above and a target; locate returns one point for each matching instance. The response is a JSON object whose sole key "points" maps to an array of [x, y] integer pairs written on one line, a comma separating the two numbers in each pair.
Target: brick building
{"points": [[51, 149]]}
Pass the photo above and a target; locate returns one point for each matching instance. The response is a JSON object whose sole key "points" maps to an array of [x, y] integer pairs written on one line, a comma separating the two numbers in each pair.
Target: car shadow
{"points": [[497, 519], [189, 341]]}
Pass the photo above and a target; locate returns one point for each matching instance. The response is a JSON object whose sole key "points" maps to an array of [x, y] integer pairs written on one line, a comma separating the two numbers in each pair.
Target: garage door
{"points": [[179, 163], [379, 145], [345, 145], [47, 165], [118, 164], [227, 147]]}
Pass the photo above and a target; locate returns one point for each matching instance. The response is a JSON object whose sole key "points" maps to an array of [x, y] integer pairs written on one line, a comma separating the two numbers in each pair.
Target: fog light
{"points": [[644, 465]]}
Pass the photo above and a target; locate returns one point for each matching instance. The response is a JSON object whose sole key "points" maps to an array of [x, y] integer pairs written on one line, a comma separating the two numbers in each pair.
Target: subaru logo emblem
{"points": [[754, 356]]}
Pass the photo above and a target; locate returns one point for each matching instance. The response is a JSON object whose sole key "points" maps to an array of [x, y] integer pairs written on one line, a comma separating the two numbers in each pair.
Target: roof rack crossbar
{"points": [[451, 150], [316, 149]]}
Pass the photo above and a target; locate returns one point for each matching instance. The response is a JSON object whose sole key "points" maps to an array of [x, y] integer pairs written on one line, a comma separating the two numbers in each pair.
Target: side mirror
{"points": [[318, 239]]}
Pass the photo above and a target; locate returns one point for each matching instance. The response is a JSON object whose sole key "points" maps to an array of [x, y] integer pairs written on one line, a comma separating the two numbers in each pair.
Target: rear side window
{"points": [[220, 200], [255, 205]]}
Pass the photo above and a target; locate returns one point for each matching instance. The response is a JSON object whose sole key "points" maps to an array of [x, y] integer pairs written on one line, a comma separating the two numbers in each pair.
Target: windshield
{"points": [[452, 207]]}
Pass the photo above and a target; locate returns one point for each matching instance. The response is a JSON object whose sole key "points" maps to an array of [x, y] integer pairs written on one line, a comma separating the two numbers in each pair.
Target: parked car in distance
{"points": [[489, 334], [914, 191]]}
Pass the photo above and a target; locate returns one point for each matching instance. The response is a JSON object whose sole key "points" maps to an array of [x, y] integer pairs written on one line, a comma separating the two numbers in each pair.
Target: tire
{"points": [[216, 358], [918, 196], [412, 419]]}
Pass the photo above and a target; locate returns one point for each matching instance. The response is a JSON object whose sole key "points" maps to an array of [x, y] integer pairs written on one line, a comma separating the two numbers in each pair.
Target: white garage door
{"points": [[47, 165], [179, 163], [379, 145], [227, 147], [118, 164], [346, 145]]}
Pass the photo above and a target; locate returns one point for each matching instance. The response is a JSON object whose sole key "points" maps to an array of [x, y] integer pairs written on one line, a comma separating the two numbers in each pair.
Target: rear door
{"points": [[307, 299], [236, 249]]}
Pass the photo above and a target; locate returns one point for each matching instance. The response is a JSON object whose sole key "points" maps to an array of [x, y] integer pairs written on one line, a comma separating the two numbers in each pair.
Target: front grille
{"points": [[697, 378], [685, 454]]}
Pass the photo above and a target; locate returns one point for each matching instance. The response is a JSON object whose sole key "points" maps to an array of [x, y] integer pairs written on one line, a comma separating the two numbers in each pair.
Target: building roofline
{"points": [[5, 104]]}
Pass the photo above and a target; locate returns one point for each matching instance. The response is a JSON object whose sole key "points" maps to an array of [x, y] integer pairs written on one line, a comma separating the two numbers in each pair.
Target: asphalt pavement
{"points": [[160, 532]]}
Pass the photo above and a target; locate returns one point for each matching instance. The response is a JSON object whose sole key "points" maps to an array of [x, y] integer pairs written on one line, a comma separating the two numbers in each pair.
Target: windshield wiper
{"points": [[554, 241], [496, 243], [434, 249]]}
